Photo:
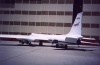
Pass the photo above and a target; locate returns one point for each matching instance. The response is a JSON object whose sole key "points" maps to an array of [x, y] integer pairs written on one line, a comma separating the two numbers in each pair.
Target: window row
{"points": [[47, 1], [91, 1], [91, 13], [15, 33], [47, 13], [22, 33], [37, 1], [86, 25], [91, 25], [36, 12], [35, 23], [7, 1]]}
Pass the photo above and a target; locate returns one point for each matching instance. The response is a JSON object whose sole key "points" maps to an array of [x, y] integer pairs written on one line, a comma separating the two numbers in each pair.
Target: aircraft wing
{"points": [[15, 37], [88, 38], [21, 37], [85, 39]]}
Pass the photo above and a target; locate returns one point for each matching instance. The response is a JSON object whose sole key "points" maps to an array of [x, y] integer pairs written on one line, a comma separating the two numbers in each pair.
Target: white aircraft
{"points": [[73, 37]]}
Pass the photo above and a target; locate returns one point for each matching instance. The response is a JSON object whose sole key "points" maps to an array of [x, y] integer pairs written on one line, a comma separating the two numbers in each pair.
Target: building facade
{"points": [[47, 17]]}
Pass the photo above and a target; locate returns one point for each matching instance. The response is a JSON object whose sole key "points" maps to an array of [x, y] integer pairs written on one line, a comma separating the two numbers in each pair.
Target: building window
{"points": [[87, 13], [69, 1], [96, 37], [38, 23], [32, 1], [45, 1], [16, 33], [52, 12], [38, 1], [94, 25], [87, 1], [52, 24], [11, 12], [61, 1], [67, 24], [24, 23], [17, 12], [53, 1], [6, 12], [95, 13], [44, 23], [68, 13], [44, 12], [16, 23], [10, 32], [60, 13], [11, 22], [18, 1], [32, 12], [4, 32], [25, 1], [86, 25], [24, 12], [23, 33], [86, 36], [5, 22], [31, 23], [59, 24], [0, 22], [38, 12], [95, 1], [1, 11]]}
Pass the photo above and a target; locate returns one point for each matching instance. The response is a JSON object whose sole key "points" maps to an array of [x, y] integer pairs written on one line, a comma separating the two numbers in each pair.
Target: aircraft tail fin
{"points": [[77, 25]]}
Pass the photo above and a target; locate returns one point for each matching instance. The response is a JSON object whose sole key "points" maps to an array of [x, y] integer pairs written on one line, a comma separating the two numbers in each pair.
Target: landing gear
{"points": [[21, 41], [40, 43], [25, 41], [78, 42], [66, 46], [62, 46], [29, 43], [57, 45]]}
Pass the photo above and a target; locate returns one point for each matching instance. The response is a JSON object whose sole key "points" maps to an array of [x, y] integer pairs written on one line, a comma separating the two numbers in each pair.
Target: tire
{"points": [[57, 46], [66, 46], [30, 44], [21, 42], [40, 43], [78, 42]]}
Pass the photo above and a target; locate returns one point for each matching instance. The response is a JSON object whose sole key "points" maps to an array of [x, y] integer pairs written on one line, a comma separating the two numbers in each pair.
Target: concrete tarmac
{"points": [[13, 53]]}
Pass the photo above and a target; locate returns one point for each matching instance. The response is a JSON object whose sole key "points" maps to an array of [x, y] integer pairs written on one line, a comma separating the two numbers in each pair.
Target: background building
{"points": [[47, 16]]}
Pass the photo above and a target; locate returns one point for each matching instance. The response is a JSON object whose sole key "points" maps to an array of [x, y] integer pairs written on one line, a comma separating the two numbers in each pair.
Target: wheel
{"points": [[78, 42], [21, 42], [29, 43], [40, 43], [66, 46], [57, 45]]}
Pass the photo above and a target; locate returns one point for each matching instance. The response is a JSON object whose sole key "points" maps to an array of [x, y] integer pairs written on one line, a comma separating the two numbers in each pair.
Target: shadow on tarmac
{"points": [[60, 48], [76, 49], [32, 45], [16, 45]]}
